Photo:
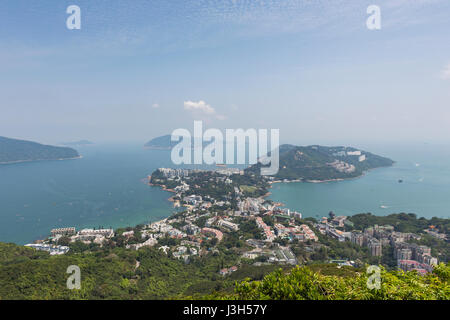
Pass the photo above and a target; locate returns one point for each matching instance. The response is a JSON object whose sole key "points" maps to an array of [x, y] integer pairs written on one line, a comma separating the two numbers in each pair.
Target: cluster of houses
{"points": [[342, 166], [270, 236], [432, 231], [87, 236], [52, 249], [284, 225], [184, 252], [98, 236], [356, 153], [227, 271], [247, 207], [295, 232], [216, 224], [330, 228], [409, 256], [170, 173], [277, 254]]}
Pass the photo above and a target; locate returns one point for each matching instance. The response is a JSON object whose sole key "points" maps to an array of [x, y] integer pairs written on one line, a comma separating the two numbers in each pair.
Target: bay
{"points": [[106, 187], [425, 188]]}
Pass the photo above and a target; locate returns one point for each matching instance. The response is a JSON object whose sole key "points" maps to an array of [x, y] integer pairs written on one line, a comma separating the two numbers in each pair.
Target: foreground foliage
{"points": [[304, 284], [116, 273], [150, 274]]}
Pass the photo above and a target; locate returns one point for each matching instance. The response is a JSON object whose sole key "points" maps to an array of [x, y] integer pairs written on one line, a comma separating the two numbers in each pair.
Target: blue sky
{"points": [[139, 69]]}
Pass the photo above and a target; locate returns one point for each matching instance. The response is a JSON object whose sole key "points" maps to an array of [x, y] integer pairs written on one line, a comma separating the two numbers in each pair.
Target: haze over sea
{"points": [[107, 188]]}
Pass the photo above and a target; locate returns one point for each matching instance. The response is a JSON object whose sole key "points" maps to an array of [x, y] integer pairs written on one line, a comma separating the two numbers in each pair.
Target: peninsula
{"points": [[318, 163]]}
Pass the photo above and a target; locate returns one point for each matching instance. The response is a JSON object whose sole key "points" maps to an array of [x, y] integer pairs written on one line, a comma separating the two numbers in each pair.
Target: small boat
{"points": [[383, 207], [400, 181]]}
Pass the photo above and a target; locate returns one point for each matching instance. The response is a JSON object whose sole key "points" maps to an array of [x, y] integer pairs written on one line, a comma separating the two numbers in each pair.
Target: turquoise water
{"points": [[424, 169], [104, 188]]}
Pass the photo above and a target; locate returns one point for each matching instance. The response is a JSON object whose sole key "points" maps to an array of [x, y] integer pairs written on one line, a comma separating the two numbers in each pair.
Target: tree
{"points": [[64, 241]]}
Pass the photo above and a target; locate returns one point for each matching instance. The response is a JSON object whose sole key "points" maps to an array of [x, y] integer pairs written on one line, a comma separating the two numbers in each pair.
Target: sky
{"points": [[311, 68]]}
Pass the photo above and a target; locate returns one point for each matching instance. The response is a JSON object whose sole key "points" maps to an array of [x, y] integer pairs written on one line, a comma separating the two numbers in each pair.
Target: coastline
{"points": [[163, 187], [313, 181], [280, 204], [331, 180], [267, 194]]}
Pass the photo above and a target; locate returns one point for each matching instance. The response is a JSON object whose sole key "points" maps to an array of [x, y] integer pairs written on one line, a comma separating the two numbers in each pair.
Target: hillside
{"points": [[319, 163], [13, 150], [113, 273], [302, 283]]}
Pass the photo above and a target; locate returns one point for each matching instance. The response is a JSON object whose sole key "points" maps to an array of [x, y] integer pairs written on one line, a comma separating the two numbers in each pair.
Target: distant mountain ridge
{"points": [[14, 150], [162, 142], [77, 143], [165, 142], [319, 163]]}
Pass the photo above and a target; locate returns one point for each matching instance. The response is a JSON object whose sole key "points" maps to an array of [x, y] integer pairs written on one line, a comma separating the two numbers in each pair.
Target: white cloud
{"points": [[201, 106], [155, 105], [445, 74], [204, 109]]}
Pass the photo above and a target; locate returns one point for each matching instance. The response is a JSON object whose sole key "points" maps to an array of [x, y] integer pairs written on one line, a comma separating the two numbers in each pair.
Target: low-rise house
{"points": [[63, 231], [148, 243], [228, 225], [226, 271], [107, 233], [218, 234], [52, 249], [128, 234]]}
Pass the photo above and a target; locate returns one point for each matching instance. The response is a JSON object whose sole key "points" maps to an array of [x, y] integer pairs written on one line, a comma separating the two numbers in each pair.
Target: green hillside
{"points": [[324, 163], [117, 273], [114, 273]]}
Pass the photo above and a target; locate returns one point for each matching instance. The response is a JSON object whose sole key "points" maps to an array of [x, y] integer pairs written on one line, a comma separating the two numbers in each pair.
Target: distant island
{"points": [[77, 143], [313, 163], [318, 163], [13, 150], [162, 142]]}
